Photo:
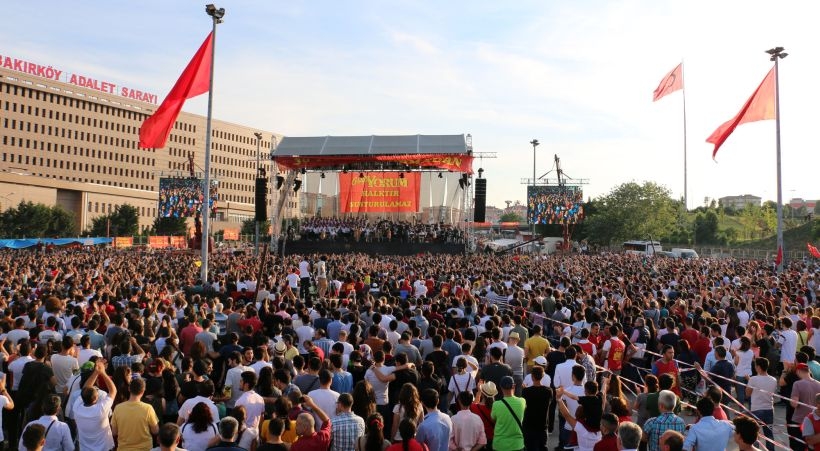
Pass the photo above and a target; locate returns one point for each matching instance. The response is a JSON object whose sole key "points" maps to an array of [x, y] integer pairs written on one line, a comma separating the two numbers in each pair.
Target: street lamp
{"points": [[535, 144], [216, 17], [776, 54]]}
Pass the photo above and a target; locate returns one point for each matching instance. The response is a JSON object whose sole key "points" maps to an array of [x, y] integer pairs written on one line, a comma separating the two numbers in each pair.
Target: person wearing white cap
{"points": [[546, 380], [514, 357]]}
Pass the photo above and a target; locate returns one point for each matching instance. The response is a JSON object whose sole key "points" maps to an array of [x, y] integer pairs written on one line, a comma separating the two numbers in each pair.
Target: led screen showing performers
{"points": [[182, 197], [555, 205]]}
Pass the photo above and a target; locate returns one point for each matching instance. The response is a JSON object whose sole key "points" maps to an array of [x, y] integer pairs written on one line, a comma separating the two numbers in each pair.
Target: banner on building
{"points": [[379, 192], [158, 242], [122, 242], [230, 234]]}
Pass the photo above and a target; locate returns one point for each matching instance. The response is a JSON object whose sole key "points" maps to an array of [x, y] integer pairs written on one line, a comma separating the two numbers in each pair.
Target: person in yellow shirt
{"points": [[134, 422], [535, 346]]}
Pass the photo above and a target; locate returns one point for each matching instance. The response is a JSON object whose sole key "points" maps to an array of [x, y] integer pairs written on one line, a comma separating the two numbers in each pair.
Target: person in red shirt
{"points": [[309, 438], [690, 334], [703, 345], [187, 335], [667, 365], [251, 319], [407, 430], [609, 441]]}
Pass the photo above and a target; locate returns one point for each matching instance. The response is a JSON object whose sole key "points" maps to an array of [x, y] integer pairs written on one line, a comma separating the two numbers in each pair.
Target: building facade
{"points": [[77, 147], [740, 202]]}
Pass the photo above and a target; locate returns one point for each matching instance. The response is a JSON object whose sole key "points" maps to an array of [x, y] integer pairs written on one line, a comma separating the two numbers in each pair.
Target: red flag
{"points": [[813, 250], [672, 82], [779, 259], [195, 80], [760, 106]]}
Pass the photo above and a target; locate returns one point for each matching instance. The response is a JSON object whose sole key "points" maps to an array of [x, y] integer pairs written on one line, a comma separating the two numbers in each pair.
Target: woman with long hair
{"points": [[409, 406], [170, 391], [688, 375], [640, 402], [614, 390], [245, 437], [373, 438], [744, 367], [483, 407], [462, 380], [407, 429], [364, 399], [122, 379], [200, 428], [264, 387]]}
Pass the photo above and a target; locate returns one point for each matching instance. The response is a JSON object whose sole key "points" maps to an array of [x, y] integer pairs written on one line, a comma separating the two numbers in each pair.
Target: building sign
{"points": [[379, 192], [52, 73], [179, 242], [230, 234]]}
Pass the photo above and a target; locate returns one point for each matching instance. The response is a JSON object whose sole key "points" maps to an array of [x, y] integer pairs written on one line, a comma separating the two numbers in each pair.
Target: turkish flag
{"points": [[760, 106], [672, 82], [779, 259], [813, 250], [195, 80]]}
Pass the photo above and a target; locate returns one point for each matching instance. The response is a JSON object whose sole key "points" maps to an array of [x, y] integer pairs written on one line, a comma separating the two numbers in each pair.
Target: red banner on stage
{"points": [[379, 192], [447, 162]]}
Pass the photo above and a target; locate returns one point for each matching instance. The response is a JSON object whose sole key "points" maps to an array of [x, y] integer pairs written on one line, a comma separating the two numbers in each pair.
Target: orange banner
{"points": [[121, 242], [158, 242], [379, 192], [230, 234], [179, 242]]}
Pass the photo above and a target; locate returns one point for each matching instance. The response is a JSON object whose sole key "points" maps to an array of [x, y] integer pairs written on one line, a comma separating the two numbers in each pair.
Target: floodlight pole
{"points": [[777, 54], [535, 144], [258, 175], [216, 17]]}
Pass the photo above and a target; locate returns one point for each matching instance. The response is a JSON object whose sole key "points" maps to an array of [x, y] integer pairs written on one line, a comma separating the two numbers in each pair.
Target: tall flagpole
{"points": [[777, 54], [685, 159], [216, 15]]}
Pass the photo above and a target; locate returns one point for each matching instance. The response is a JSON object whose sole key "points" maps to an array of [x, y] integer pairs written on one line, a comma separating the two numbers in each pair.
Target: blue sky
{"points": [[578, 76]]}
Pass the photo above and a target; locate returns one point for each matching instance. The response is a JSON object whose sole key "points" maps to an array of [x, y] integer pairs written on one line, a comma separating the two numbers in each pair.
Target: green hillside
{"points": [[793, 238]]}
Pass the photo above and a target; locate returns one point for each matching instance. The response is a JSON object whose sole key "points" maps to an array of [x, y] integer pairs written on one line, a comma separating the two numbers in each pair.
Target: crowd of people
{"points": [[555, 205], [182, 197], [364, 230], [107, 348]]}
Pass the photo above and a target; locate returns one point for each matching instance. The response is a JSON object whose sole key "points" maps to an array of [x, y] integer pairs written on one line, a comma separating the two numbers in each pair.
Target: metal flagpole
{"points": [[777, 54], [216, 15], [685, 159]]}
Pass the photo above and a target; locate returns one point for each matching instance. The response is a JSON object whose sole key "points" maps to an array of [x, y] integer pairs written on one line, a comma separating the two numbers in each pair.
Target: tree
{"points": [[511, 217], [170, 226], [632, 211], [706, 228], [249, 227], [123, 221], [30, 220]]}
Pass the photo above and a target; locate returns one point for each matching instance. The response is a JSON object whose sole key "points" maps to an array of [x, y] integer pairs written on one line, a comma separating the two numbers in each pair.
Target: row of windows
{"points": [[132, 158], [59, 132], [101, 207]]}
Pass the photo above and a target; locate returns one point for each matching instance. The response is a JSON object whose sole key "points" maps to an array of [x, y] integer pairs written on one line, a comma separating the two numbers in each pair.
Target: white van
{"points": [[638, 247], [685, 254]]}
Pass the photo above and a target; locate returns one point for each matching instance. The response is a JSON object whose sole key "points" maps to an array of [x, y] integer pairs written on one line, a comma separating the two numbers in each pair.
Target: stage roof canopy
{"points": [[421, 152], [314, 146]]}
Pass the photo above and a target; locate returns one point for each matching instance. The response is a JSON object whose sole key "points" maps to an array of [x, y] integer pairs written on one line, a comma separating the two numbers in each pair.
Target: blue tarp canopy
{"points": [[29, 242]]}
